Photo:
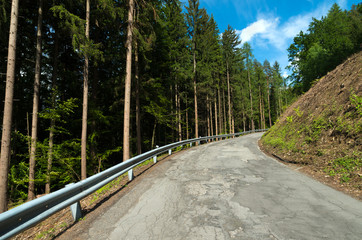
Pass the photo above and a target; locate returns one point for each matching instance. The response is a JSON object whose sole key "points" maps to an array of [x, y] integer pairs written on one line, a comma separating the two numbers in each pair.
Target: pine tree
{"points": [[193, 16], [34, 126], [8, 107], [127, 98], [230, 41], [248, 57], [268, 75], [85, 98]]}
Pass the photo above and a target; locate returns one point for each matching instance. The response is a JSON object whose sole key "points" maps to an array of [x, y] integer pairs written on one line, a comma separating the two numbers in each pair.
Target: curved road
{"points": [[228, 190]]}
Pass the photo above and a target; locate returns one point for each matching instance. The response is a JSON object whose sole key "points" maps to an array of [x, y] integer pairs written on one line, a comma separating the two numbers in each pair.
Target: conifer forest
{"points": [[88, 84]]}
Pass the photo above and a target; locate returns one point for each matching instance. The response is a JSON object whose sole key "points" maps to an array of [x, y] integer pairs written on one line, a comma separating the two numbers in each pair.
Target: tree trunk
{"points": [[216, 116], [220, 112], [279, 102], [232, 118], [211, 117], [94, 100], [52, 121], [153, 135], [208, 115], [127, 94], [8, 107], [243, 110], [251, 103], [195, 96], [224, 106], [34, 124], [267, 83], [229, 97], [260, 109], [263, 111], [85, 101], [233, 123], [178, 111], [138, 106], [187, 120]]}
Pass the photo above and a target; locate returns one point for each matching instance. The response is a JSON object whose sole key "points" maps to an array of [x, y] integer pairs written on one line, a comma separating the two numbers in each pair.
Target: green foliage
{"points": [[281, 137], [105, 155], [298, 112], [326, 44], [313, 131], [76, 27], [356, 102], [60, 113], [346, 167]]}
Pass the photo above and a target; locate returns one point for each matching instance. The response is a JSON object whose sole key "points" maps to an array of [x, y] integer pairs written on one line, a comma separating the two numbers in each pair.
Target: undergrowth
{"points": [[346, 168]]}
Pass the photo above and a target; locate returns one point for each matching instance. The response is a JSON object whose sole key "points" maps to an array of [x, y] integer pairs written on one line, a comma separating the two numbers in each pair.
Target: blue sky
{"points": [[269, 25]]}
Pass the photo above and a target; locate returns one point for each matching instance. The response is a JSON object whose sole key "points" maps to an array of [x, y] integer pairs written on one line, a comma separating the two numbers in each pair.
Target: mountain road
{"points": [[228, 190]]}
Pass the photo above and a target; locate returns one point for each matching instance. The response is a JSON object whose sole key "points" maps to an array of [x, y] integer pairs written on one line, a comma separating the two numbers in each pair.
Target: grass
{"points": [[346, 167], [50, 233]]}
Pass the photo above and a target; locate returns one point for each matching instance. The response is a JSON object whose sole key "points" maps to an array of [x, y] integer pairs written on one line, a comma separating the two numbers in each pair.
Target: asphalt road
{"points": [[228, 190]]}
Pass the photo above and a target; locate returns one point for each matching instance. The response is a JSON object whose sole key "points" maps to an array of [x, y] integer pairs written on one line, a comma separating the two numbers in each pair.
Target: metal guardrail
{"points": [[30, 213]]}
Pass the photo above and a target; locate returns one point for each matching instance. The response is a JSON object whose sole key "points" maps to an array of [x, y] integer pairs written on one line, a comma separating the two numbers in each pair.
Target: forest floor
{"points": [[321, 133], [57, 224]]}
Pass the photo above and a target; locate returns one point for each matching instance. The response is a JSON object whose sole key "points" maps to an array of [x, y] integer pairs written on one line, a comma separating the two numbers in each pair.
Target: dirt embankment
{"points": [[322, 130]]}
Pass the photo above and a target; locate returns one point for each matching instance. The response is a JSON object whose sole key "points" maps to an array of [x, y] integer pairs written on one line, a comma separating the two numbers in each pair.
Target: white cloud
{"points": [[268, 31], [285, 74], [262, 26]]}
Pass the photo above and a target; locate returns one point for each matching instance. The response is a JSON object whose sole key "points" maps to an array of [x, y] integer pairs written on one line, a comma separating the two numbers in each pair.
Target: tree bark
{"points": [[216, 116], [233, 123], [52, 121], [260, 108], [85, 101], [251, 102], [153, 135], [208, 116], [268, 90], [263, 106], [211, 117], [187, 120], [195, 96], [229, 97], [127, 94], [224, 106], [279, 102], [178, 111], [220, 112], [138, 106], [243, 110], [8, 107], [34, 124]]}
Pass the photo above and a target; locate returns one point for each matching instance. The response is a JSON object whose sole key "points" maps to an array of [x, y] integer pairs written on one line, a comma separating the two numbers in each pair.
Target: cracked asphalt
{"points": [[229, 190]]}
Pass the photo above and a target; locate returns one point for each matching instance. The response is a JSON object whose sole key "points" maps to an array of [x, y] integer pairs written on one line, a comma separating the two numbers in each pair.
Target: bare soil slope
{"points": [[322, 130]]}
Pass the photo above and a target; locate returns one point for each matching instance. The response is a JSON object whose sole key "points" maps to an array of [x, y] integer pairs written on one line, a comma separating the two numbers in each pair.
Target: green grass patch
{"points": [[346, 167]]}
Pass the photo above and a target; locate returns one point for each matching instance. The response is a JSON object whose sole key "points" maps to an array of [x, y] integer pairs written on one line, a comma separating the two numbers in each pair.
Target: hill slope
{"points": [[323, 129]]}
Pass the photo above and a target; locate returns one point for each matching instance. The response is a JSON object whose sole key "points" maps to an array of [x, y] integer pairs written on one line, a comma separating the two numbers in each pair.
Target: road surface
{"points": [[228, 190]]}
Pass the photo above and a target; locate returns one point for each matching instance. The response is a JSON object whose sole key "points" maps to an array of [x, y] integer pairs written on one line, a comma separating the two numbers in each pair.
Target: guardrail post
{"points": [[169, 152], [75, 208], [130, 174], [155, 157], [190, 144]]}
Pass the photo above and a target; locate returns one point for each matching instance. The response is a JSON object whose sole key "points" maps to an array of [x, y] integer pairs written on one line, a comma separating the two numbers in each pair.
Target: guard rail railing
{"points": [[30, 213]]}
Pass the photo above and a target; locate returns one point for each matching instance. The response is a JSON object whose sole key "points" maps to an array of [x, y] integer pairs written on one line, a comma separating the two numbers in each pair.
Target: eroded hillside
{"points": [[323, 129]]}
